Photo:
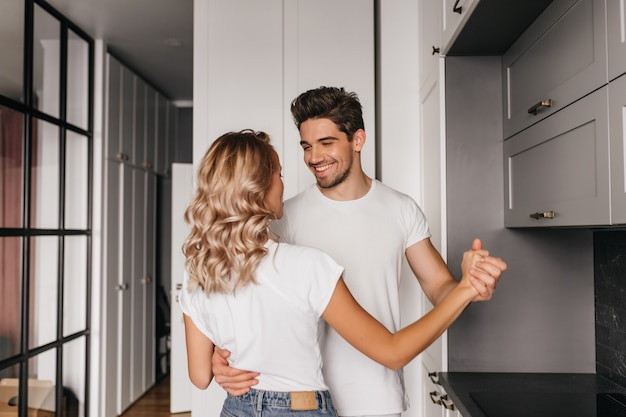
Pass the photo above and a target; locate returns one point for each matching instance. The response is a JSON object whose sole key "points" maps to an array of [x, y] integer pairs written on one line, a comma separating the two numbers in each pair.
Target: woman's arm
{"points": [[394, 351], [199, 352]]}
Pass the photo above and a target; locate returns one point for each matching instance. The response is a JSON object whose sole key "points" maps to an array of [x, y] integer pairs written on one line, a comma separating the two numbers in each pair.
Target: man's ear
{"points": [[358, 140]]}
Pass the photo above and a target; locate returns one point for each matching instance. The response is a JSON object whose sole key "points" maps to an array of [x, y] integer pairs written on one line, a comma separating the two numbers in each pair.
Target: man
{"points": [[367, 227]]}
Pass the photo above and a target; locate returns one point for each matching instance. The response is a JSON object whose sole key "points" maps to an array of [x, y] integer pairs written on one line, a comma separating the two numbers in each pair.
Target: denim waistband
{"points": [[279, 399]]}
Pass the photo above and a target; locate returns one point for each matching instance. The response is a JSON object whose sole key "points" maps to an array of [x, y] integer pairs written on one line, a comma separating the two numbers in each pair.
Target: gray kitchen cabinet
{"points": [[558, 59], [556, 172], [455, 15], [616, 37], [617, 129]]}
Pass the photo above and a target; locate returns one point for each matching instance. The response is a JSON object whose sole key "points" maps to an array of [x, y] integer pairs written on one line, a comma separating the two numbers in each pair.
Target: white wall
{"points": [[251, 59]]}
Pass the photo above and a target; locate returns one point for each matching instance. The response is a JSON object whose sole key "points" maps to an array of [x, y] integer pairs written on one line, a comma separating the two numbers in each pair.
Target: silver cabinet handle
{"points": [[457, 9], [433, 377], [146, 280], [121, 156], [446, 403], [435, 397], [542, 215], [543, 103], [121, 287]]}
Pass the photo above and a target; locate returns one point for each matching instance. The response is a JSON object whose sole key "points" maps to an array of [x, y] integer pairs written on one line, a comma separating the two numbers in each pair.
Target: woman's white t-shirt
{"points": [[272, 327]]}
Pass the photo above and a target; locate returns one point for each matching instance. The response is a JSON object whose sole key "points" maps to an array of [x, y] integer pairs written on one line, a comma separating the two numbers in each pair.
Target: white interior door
{"points": [[181, 387]]}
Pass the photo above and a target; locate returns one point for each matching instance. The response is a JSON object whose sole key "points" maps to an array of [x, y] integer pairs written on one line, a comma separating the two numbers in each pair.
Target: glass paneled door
{"points": [[46, 83]]}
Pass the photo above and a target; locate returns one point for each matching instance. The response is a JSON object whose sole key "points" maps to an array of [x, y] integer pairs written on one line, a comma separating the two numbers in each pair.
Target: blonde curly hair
{"points": [[228, 216]]}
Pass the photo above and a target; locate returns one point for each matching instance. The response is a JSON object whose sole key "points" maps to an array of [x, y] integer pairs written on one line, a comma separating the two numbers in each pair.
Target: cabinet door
{"points": [[616, 35], [139, 111], [560, 165], [560, 58], [172, 129], [152, 98], [127, 114], [113, 102], [432, 392], [455, 15], [148, 282], [617, 126], [136, 255], [124, 362], [111, 275], [430, 39], [160, 146]]}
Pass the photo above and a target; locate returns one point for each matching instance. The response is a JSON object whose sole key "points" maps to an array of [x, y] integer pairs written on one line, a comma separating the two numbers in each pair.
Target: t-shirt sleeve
{"points": [[191, 303], [417, 225], [324, 273]]}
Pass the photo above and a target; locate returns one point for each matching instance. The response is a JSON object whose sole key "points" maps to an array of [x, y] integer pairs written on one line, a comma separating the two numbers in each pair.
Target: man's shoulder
{"points": [[391, 194]]}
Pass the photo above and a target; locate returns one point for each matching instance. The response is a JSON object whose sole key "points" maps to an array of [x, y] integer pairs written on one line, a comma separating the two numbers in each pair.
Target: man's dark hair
{"points": [[341, 107]]}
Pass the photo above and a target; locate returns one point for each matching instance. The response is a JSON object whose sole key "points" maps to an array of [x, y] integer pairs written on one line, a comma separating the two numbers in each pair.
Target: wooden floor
{"points": [[154, 403]]}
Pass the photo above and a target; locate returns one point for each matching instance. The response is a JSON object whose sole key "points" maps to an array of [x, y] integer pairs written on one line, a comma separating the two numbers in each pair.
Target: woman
{"points": [[263, 300]]}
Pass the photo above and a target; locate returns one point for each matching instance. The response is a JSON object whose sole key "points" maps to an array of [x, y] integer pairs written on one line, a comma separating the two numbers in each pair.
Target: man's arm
{"points": [[437, 281], [235, 381]]}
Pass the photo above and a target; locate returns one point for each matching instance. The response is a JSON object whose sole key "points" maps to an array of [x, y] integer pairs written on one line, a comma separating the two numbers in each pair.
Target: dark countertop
{"points": [[458, 386]]}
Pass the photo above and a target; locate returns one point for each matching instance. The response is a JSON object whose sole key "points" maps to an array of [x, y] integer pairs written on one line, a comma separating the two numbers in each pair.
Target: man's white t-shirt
{"points": [[272, 327], [368, 237]]}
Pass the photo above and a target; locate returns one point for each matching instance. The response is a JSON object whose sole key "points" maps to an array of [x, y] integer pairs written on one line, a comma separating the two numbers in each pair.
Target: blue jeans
{"points": [[256, 403]]}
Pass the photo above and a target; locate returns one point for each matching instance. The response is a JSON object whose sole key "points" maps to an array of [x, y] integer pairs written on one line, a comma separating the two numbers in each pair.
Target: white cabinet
{"points": [[616, 36], [129, 251], [430, 22], [139, 110], [112, 106], [160, 141], [152, 98], [617, 132], [435, 402], [123, 282], [126, 115], [455, 15], [560, 166], [558, 59], [430, 399], [432, 162], [129, 282], [137, 130]]}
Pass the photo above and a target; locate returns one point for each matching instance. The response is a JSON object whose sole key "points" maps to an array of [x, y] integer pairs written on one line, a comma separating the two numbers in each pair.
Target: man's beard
{"points": [[333, 182]]}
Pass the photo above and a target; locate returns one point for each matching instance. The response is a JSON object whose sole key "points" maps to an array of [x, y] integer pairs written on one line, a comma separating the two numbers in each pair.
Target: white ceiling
{"points": [[153, 37]]}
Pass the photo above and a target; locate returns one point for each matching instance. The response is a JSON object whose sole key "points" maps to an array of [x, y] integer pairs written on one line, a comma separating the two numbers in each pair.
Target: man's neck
{"points": [[351, 188]]}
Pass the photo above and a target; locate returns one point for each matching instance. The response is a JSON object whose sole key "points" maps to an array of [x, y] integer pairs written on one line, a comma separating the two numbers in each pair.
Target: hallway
{"points": [[154, 403]]}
